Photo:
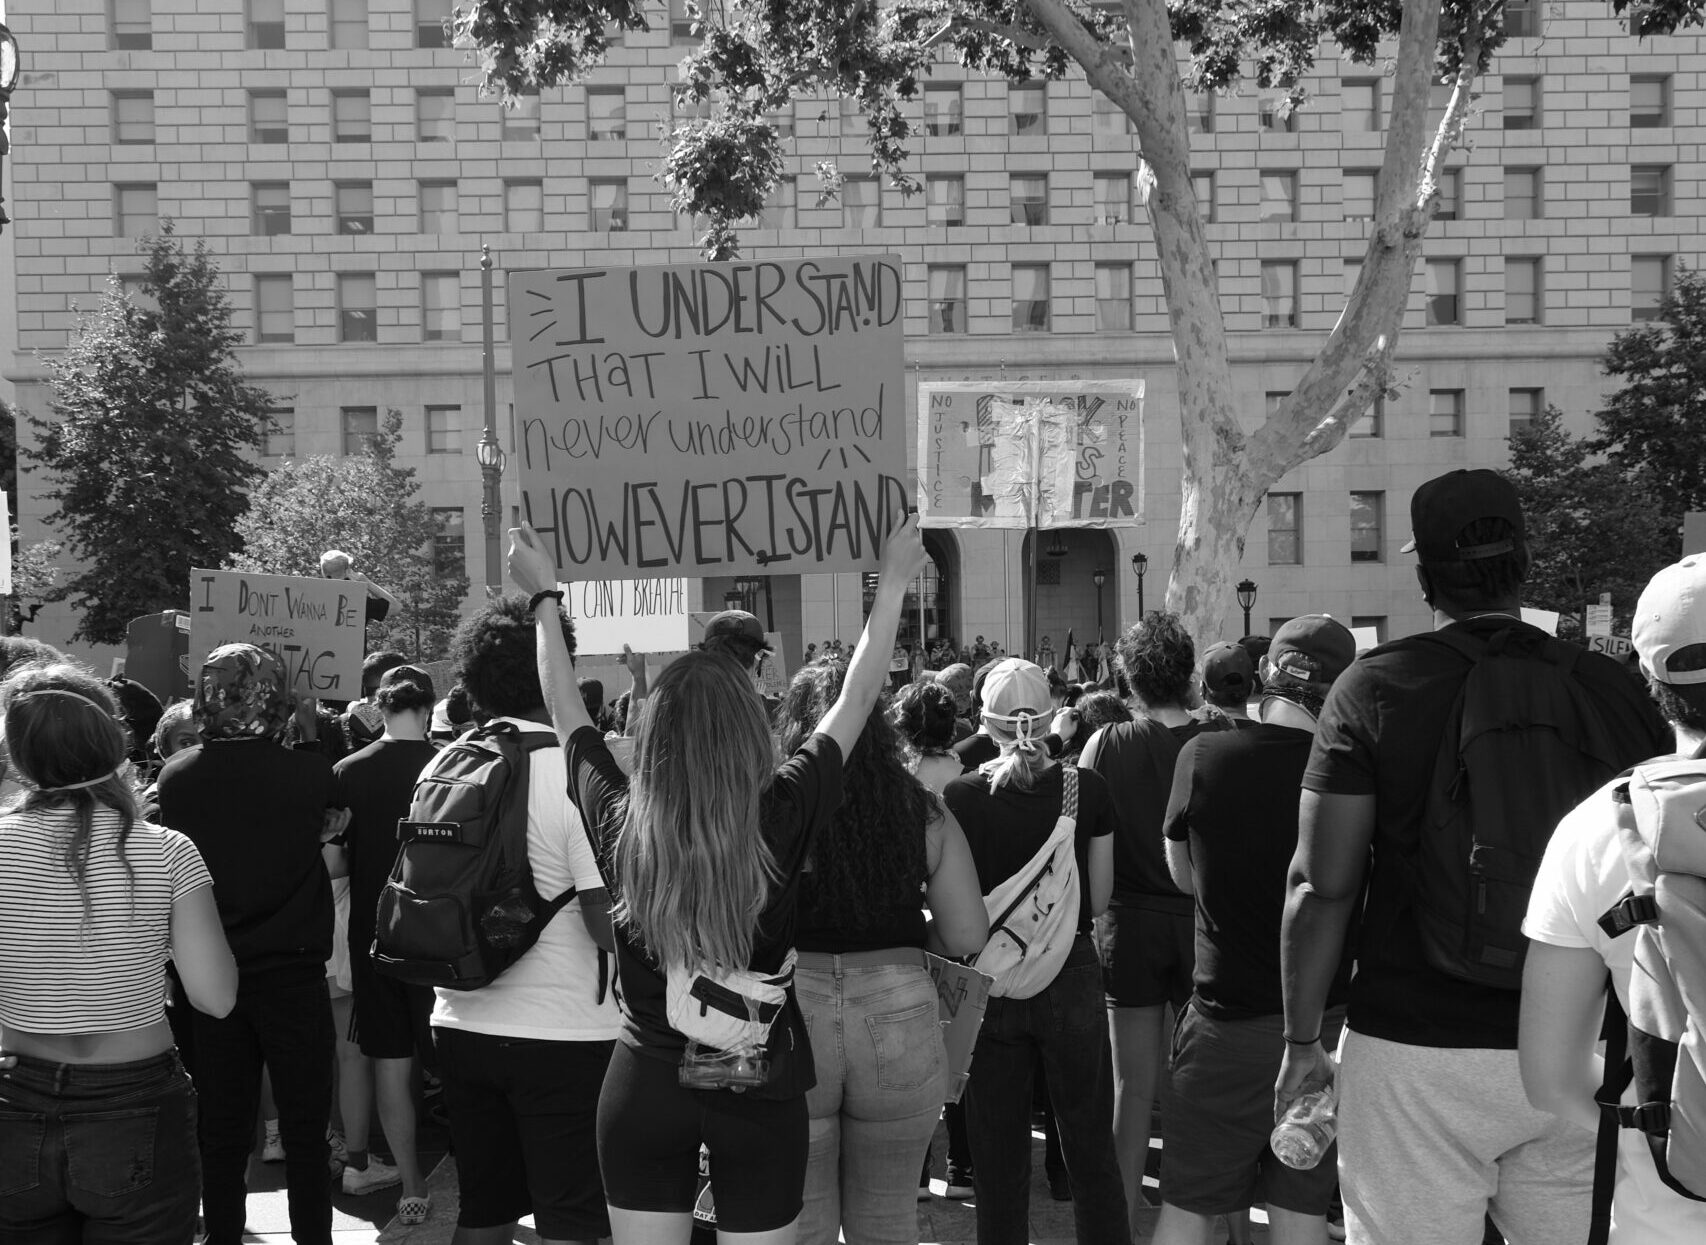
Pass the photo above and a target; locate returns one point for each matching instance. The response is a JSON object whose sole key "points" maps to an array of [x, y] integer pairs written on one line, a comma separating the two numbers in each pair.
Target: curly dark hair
{"points": [[924, 713], [493, 656], [872, 854], [1099, 709], [1158, 659], [1481, 583]]}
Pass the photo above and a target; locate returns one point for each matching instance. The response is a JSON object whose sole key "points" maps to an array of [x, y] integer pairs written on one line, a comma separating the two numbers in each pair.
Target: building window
{"points": [[352, 117], [1027, 109], [1445, 412], [944, 110], [1649, 285], [783, 120], [779, 210], [521, 123], [1649, 101], [275, 308], [133, 117], [524, 207], [133, 25], [945, 201], [354, 204], [136, 210], [358, 308], [281, 433], [1444, 306], [1279, 295], [1030, 298], [1112, 199], [1359, 106], [272, 209], [266, 24], [1200, 119], [1649, 190], [1525, 408], [441, 307], [435, 116], [449, 542], [1370, 622], [682, 24], [430, 19], [1357, 198], [1367, 513], [444, 430], [1372, 422], [269, 120], [349, 24], [947, 300], [606, 114], [1522, 194], [1202, 187], [438, 207], [1522, 103], [360, 429], [1279, 198], [1274, 112], [861, 203], [607, 203], [1107, 117], [1449, 189], [1285, 529], [1522, 18], [1522, 291], [1113, 298], [1029, 199]]}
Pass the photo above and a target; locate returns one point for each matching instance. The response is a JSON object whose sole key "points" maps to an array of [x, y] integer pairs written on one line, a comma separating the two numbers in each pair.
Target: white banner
{"points": [[648, 615]]}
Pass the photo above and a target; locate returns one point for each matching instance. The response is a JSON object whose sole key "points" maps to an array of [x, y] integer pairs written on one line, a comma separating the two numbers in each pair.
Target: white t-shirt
{"points": [[551, 992], [1580, 877]]}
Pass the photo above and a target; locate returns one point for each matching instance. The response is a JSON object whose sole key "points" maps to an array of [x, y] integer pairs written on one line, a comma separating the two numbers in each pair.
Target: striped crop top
{"points": [[62, 972]]}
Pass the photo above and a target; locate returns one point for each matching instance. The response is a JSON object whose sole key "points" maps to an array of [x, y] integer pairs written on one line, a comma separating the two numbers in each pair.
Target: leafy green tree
{"points": [[365, 505], [151, 448]]}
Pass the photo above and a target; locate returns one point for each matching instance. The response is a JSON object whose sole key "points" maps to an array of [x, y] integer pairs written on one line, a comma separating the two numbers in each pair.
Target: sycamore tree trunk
{"points": [[1226, 471]]}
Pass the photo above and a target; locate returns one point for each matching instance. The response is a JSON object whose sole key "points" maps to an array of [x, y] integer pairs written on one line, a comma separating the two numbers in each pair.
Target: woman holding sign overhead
{"points": [[703, 853]]}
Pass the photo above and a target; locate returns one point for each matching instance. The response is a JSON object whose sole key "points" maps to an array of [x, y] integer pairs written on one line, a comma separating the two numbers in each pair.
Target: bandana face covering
{"points": [[242, 693]]}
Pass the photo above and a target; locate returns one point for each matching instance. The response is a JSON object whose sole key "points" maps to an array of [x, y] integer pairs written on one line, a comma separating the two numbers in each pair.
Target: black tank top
{"points": [[892, 920]]}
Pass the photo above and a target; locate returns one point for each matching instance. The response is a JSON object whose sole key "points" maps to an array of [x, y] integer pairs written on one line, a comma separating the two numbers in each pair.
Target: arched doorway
{"points": [[1069, 600], [928, 614]]}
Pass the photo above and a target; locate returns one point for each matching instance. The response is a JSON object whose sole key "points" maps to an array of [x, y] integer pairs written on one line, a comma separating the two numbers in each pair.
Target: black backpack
{"points": [[460, 906], [1524, 744]]}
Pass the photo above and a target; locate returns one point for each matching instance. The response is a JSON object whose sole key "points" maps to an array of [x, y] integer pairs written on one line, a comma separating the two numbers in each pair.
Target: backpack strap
{"points": [[1619, 1072], [1631, 909]]}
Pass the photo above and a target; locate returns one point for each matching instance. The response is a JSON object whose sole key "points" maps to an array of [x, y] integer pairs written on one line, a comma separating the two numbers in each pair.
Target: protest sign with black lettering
{"points": [[647, 615], [711, 418], [1041, 454], [317, 627]]}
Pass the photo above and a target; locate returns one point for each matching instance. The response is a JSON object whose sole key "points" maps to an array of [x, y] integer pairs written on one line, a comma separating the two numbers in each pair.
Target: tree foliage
{"points": [[150, 450], [365, 505]]}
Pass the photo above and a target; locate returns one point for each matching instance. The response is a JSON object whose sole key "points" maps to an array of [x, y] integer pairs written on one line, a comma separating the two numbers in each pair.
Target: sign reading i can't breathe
{"points": [[711, 418], [316, 627]]}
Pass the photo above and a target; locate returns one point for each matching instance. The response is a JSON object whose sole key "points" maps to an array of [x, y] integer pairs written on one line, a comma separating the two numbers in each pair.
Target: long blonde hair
{"points": [[1024, 754], [691, 861]]}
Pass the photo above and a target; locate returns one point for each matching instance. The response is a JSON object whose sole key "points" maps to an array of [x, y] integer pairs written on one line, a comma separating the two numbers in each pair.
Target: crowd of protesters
{"points": [[732, 1013]]}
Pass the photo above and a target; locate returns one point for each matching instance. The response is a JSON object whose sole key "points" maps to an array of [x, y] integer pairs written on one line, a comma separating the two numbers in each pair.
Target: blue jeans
{"points": [[286, 1028], [1066, 1024], [98, 1153], [882, 1072]]}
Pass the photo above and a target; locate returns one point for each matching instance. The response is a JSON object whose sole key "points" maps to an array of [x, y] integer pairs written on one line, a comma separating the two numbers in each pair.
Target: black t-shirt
{"points": [[1136, 760], [977, 749], [803, 796], [1234, 800], [378, 783], [1380, 735], [255, 811], [1006, 828]]}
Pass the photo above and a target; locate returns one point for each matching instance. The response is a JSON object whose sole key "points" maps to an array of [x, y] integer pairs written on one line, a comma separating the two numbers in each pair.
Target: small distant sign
{"points": [[1546, 620], [1599, 620], [1611, 645]]}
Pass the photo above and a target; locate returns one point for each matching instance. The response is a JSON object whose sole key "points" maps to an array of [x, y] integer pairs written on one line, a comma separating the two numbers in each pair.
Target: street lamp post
{"points": [[1140, 564], [1099, 578], [489, 454], [1246, 600], [9, 64]]}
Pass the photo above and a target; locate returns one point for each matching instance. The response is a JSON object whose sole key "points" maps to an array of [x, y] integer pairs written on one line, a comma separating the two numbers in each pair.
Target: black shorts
{"points": [[1147, 956], [389, 1019], [523, 1115], [650, 1130]]}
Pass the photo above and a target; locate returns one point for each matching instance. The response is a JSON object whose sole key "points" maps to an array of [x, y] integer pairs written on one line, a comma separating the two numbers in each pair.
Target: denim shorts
{"points": [[98, 1152]]}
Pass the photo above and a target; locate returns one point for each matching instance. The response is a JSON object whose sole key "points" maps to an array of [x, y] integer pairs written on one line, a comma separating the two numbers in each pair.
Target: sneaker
{"points": [[375, 1175], [959, 1184], [272, 1149], [413, 1211]]}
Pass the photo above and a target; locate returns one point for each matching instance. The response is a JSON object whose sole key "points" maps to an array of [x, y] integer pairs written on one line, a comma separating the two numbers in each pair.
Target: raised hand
{"points": [[531, 568]]}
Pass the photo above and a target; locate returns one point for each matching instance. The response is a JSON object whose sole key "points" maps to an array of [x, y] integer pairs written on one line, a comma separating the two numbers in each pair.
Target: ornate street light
{"points": [[488, 453], [1140, 564], [1246, 600], [1099, 578], [9, 66]]}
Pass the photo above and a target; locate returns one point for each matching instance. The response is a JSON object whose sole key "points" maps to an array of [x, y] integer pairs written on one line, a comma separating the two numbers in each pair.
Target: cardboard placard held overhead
{"points": [[1042, 454], [317, 627], [648, 615], [711, 419]]}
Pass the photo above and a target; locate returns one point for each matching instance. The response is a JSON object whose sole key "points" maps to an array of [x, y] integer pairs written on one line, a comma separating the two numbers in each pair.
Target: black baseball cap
{"points": [[737, 625], [1443, 506]]}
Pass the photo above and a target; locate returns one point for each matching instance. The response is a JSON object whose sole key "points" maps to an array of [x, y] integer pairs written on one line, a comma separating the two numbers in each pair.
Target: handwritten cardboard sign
{"points": [[648, 615], [1039, 454], [711, 418], [316, 627], [962, 996]]}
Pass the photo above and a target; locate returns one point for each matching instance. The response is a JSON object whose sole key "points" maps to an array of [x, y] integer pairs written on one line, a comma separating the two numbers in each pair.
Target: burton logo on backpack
{"points": [[1524, 744], [460, 906]]}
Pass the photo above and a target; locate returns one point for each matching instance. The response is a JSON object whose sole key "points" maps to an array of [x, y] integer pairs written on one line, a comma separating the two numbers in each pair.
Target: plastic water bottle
{"points": [[1307, 1129]]}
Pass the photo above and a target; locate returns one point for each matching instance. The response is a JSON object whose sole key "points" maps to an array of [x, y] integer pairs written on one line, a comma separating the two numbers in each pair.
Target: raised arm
{"points": [[531, 570], [903, 558]]}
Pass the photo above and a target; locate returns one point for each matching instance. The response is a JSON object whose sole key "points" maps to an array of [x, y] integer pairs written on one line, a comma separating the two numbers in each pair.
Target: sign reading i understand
{"points": [[711, 419]]}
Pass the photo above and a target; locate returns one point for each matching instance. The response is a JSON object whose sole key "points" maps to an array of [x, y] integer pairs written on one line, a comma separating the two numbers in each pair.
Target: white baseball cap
{"points": [[1670, 617], [1016, 695]]}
